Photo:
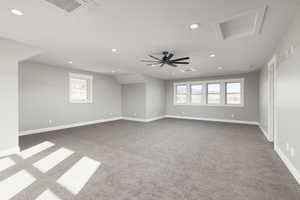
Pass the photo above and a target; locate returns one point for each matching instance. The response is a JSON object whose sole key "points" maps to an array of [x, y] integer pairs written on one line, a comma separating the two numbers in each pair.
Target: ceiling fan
{"points": [[166, 60]]}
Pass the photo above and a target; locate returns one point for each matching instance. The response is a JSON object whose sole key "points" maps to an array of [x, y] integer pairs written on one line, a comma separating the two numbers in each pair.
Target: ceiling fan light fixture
{"points": [[167, 59]]}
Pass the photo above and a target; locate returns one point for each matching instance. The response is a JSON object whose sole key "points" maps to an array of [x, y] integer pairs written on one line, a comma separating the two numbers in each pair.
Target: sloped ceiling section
{"points": [[13, 50], [87, 35]]}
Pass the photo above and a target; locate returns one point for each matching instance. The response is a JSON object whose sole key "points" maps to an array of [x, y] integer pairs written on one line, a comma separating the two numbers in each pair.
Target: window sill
{"points": [[209, 105], [80, 102]]}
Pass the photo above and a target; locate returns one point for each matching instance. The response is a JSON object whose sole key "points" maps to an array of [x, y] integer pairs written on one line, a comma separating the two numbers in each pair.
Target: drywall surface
{"points": [[155, 98], [249, 112], [288, 95], [263, 98], [11, 52], [9, 104], [44, 97], [134, 100]]}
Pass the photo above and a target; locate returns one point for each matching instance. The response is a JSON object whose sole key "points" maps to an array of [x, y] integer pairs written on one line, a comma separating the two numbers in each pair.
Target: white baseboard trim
{"points": [[10, 151], [264, 132], [134, 119], [288, 164], [54, 128], [213, 119], [142, 119], [154, 118]]}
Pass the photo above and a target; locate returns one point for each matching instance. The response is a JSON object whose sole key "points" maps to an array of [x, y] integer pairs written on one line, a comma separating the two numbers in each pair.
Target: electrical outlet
{"points": [[50, 121], [134, 114], [292, 152], [232, 115], [182, 112], [287, 146], [110, 114]]}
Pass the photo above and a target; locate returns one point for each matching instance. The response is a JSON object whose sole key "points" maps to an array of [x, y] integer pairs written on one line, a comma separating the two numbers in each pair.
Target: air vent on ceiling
{"points": [[188, 70], [242, 25], [71, 5]]}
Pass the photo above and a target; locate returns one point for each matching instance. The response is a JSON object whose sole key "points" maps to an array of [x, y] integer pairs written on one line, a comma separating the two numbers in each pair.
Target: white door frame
{"points": [[272, 101]]}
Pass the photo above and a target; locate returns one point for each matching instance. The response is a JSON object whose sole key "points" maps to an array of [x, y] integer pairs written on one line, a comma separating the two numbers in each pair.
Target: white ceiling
{"points": [[137, 28]]}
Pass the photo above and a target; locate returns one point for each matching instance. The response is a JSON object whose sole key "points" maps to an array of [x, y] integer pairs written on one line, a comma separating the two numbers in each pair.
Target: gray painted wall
{"points": [[155, 98], [288, 95], [144, 100], [44, 96], [9, 104], [247, 113], [11, 52], [263, 98], [133, 100]]}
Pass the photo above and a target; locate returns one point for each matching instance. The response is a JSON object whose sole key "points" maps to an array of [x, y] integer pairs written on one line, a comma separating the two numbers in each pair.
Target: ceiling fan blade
{"points": [[186, 63], [172, 65], [154, 58], [148, 61], [162, 65], [170, 56], [178, 59]]}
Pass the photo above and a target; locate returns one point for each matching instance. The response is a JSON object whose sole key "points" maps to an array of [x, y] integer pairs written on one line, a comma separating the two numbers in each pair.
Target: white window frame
{"points": [[89, 80], [221, 96], [203, 93], [187, 94], [241, 92], [204, 90]]}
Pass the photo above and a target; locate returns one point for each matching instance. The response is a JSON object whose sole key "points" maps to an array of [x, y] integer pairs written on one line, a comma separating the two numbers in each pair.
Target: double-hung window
{"points": [[81, 88], [233, 93], [229, 92], [196, 93], [181, 91], [213, 93]]}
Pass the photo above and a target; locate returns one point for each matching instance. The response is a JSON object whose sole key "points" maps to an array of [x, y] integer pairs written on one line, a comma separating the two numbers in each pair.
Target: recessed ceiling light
{"points": [[220, 68], [70, 62], [194, 26], [114, 50], [212, 55], [17, 12]]}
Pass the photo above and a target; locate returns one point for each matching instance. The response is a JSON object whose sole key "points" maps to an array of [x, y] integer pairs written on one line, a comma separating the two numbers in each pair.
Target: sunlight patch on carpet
{"points": [[50, 161], [15, 184], [78, 175]]}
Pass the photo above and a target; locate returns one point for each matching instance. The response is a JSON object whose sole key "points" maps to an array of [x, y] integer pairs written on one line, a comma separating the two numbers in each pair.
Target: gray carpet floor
{"points": [[168, 159]]}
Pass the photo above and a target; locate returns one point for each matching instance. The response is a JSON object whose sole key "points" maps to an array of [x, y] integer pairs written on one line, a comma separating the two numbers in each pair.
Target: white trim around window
{"points": [[187, 93], [88, 88], [204, 93]]}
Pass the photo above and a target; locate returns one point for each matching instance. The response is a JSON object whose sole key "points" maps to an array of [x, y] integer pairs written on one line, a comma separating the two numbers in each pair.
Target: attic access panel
{"points": [[242, 25], [67, 5], [73, 5]]}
